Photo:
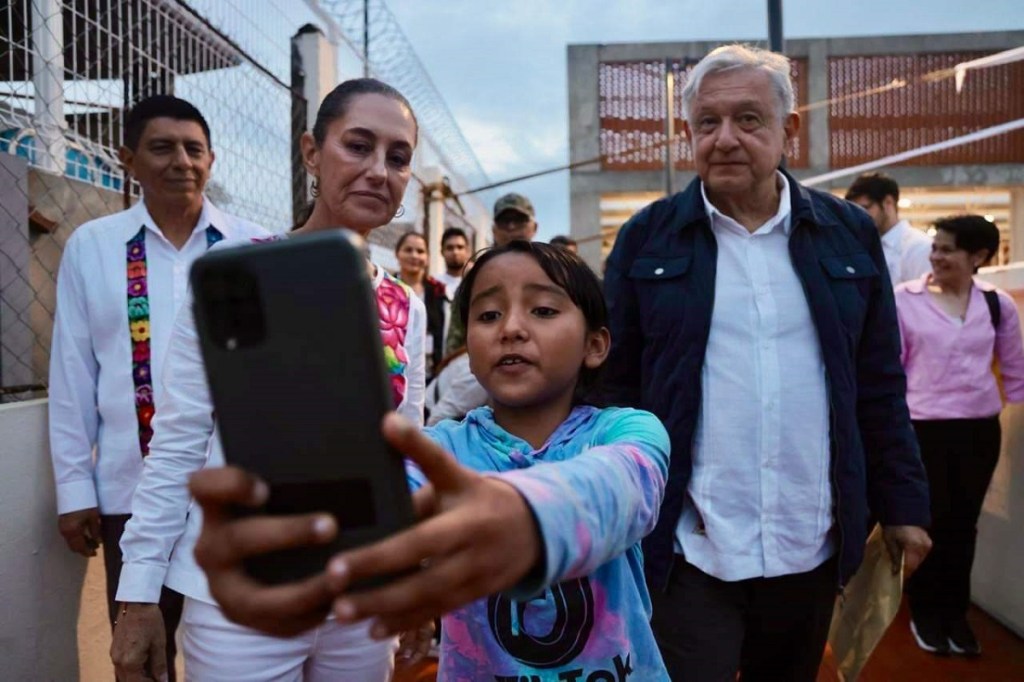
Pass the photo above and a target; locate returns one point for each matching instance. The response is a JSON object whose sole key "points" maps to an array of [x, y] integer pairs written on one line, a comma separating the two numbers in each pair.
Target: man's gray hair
{"points": [[738, 56]]}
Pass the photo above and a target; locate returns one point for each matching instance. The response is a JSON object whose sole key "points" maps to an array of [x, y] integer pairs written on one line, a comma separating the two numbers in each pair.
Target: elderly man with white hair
{"points": [[755, 317]]}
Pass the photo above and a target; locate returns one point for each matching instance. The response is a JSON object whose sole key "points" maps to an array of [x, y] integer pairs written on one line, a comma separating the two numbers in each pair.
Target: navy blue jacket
{"points": [[660, 286]]}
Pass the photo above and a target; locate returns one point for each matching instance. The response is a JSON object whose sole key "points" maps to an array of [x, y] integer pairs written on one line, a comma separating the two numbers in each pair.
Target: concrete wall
{"points": [[999, 564], [68, 203], [40, 580], [53, 604], [587, 183], [16, 295]]}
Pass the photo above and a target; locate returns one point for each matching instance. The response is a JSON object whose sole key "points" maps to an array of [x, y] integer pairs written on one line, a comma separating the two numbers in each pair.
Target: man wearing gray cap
{"points": [[514, 219]]}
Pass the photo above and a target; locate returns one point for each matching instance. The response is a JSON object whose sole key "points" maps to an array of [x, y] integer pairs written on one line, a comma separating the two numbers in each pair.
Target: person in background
{"points": [[514, 218], [454, 391], [411, 251], [565, 242], [455, 251], [359, 154], [906, 249], [752, 315], [952, 326], [108, 348]]}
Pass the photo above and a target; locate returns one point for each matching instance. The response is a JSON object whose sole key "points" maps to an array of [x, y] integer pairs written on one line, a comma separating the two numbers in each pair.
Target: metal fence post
{"points": [[48, 81]]}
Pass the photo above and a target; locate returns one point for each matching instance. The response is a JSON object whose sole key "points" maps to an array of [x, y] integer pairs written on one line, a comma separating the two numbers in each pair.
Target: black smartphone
{"points": [[290, 338]]}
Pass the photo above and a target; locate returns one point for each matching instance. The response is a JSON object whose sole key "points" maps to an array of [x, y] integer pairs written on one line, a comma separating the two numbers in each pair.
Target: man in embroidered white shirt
{"points": [[121, 283], [907, 250]]}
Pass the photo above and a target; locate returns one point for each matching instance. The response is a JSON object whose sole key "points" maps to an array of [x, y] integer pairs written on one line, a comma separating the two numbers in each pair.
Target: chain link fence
{"points": [[69, 71]]}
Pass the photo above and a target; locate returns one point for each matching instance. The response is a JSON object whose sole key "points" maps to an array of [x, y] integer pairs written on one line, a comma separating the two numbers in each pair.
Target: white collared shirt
{"points": [[759, 502], [92, 393], [159, 538], [451, 285], [907, 252]]}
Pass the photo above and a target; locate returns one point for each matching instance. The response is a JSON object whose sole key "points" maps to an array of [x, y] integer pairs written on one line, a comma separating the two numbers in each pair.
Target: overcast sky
{"points": [[501, 64]]}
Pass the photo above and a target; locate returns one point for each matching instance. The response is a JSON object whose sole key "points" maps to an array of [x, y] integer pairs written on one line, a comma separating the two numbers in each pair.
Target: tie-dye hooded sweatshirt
{"points": [[595, 488]]}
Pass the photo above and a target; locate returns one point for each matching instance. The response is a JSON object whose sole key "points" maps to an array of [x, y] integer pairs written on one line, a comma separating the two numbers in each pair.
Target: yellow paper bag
{"points": [[869, 605]]}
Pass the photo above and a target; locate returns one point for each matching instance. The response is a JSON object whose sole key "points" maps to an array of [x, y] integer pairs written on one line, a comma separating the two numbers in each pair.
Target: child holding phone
{"points": [[537, 562]]}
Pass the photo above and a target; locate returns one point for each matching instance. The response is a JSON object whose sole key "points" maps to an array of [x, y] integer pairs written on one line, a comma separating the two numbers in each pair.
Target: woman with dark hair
{"points": [[411, 252], [359, 155], [952, 326]]}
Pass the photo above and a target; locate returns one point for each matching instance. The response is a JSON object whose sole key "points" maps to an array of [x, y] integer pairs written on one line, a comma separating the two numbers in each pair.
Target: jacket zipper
{"points": [[833, 460], [832, 450]]}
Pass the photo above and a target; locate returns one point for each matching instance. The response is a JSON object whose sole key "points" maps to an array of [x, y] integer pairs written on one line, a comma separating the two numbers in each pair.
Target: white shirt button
{"points": [[659, 271], [850, 269]]}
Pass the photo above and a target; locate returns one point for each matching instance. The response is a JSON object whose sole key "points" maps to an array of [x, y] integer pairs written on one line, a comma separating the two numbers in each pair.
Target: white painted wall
{"points": [[40, 580]]}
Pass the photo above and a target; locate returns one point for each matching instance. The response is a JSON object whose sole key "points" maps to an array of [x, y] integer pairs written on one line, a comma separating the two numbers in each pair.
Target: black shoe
{"points": [[929, 634], [961, 638]]}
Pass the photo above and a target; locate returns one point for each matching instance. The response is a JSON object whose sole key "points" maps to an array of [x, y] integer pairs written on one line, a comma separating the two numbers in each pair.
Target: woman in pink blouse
{"points": [[952, 325]]}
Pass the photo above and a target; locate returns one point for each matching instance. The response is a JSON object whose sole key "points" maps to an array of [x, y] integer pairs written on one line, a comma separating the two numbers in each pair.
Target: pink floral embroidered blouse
{"points": [[949, 362]]}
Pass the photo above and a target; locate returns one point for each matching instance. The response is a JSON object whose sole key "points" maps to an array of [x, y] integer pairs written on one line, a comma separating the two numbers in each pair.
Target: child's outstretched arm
{"points": [[583, 512], [477, 536], [595, 506]]}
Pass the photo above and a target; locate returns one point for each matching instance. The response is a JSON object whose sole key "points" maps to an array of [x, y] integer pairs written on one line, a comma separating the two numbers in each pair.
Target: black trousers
{"points": [[960, 456], [171, 603], [766, 628]]}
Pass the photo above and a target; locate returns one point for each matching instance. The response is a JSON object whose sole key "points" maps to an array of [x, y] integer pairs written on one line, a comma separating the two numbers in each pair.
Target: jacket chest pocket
{"points": [[851, 279], [660, 285]]}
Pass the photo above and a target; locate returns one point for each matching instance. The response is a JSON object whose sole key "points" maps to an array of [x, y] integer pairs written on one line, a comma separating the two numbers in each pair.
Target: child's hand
{"points": [[480, 538], [282, 610]]}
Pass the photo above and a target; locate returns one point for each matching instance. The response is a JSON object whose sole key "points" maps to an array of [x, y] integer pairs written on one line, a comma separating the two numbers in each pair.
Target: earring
{"points": [[400, 212], [314, 187]]}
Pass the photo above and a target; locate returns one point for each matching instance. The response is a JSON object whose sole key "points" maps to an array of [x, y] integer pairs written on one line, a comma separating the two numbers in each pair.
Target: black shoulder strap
{"points": [[994, 311]]}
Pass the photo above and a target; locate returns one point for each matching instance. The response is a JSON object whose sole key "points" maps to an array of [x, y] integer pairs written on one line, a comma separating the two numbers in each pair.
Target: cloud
{"points": [[496, 153], [505, 150]]}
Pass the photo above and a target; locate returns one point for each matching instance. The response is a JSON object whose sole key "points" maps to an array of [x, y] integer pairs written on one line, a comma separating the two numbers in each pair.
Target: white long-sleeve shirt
{"points": [[760, 501], [907, 253], [158, 541], [92, 390], [454, 392]]}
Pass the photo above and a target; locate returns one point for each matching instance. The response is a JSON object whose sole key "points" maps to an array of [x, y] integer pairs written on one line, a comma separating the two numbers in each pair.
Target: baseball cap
{"points": [[514, 202]]}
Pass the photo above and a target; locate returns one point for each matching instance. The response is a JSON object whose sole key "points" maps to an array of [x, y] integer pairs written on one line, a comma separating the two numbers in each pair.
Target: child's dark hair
{"points": [[160, 106], [972, 233], [565, 269]]}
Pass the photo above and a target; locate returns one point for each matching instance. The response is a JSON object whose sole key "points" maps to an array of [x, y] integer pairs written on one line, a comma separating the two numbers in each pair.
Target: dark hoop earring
{"points": [[314, 187], [400, 212]]}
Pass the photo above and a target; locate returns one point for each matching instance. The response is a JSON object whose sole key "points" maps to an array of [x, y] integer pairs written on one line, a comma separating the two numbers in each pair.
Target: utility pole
{"points": [[366, 38], [775, 41], [670, 126]]}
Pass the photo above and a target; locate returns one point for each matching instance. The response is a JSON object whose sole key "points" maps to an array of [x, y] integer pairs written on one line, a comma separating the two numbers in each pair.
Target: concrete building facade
{"points": [[860, 100]]}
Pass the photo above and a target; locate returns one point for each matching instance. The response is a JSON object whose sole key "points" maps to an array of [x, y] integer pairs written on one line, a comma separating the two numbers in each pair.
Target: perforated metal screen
{"points": [[631, 104], [924, 111]]}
